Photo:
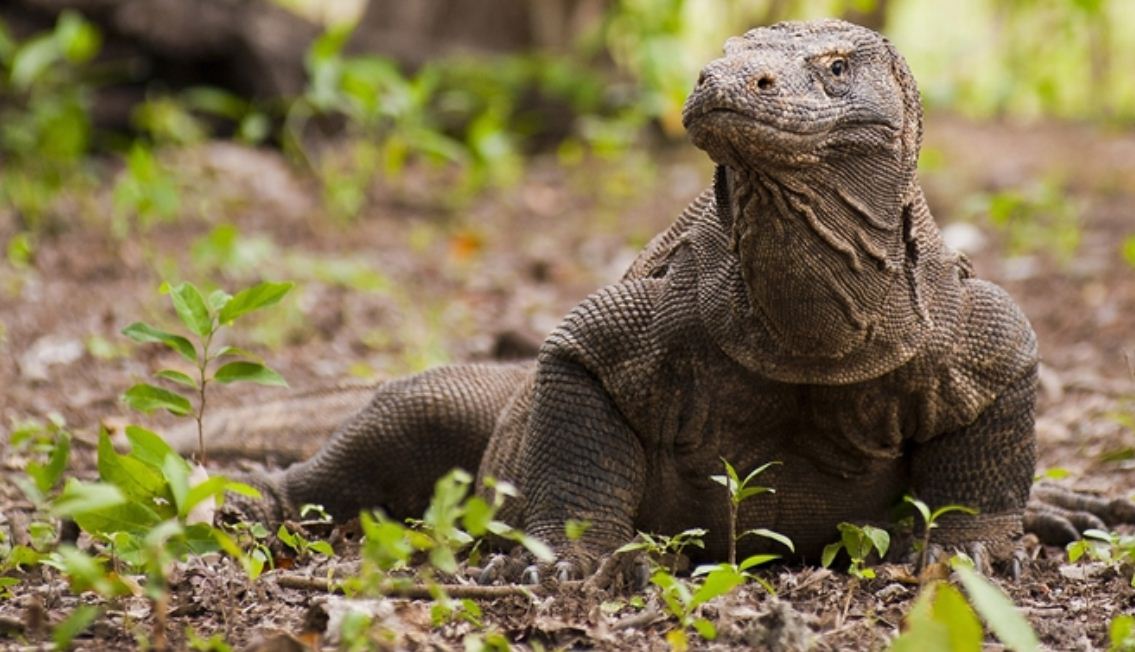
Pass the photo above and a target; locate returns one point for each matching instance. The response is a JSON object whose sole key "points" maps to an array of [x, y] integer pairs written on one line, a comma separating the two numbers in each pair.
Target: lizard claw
{"points": [[503, 569], [1058, 516], [568, 570], [531, 575]]}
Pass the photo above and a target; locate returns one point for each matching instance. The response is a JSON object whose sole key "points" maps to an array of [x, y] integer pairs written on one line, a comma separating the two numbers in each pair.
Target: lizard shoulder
{"points": [[992, 347]]}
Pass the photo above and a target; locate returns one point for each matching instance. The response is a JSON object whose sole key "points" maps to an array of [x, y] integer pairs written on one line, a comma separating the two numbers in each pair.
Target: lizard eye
{"points": [[838, 67]]}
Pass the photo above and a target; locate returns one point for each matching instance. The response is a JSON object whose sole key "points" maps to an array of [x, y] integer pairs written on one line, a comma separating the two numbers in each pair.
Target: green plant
{"points": [[146, 191], [47, 447], [143, 515], [660, 547], [452, 522], [859, 541], [738, 492], [301, 545], [1112, 548], [203, 318], [1121, 634], [1035, 218], [716, 579], [929, 523], [942, 619], [388, 119], [45, 128], [247, 543], [1129, 250]]}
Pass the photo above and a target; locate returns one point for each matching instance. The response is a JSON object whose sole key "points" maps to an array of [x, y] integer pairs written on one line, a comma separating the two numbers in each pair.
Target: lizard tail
{"points": [[286, 430]]}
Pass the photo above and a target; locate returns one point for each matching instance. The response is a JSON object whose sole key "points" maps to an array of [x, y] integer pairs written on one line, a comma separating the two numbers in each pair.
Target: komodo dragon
{"points": [[802, 310]]}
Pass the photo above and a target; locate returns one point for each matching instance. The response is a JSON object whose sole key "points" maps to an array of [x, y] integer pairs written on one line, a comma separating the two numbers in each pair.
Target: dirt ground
{"points": [[410, 284]]}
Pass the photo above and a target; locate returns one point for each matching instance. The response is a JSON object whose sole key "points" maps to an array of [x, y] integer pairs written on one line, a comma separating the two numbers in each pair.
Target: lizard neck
{"points": [[827, 284]]}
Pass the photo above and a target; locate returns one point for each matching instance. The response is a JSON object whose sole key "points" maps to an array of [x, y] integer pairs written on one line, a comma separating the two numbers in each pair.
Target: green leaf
{"points": [[209, 488], [720, 581], [880, 538], [756, 560], [254, 298], [200, 539], [1121, 633], [749, 492], [218, 299], [477, 515], [191, 308], [46, 476], [144, 333], [574, 529], [998, 611], [147, 398], [538, 548], [829, 553], [322, 547], [78, 40], [940, 621], [705, 629], [922, 507], [148, 446], [769, 534], [946, 509], [74, 624], [254, 372], [285, 535], [757, 471], [443, 559], [78, 497], [129, 517], [31, 60], [176, 474], [178, 377], [732, 473], [138, 479], [1129, 250]]}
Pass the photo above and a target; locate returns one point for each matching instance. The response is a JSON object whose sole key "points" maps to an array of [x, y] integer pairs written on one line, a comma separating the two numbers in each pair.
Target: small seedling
{"points": [[303, 547], [204, 317], [739, 491], [859, 541], [930, 522], [453, 521], [1111, 548], [660, 547]]}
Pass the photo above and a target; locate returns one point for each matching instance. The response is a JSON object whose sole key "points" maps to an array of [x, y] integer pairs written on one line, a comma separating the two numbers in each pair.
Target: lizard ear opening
{"points": [[721, 195], [912, 109]]}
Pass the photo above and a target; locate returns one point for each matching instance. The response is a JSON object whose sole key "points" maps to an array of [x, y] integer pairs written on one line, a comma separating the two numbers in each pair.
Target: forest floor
{"points": [[411, 283]]}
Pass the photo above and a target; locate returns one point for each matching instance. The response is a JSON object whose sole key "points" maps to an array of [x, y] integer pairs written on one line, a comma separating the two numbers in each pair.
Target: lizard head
{"points": [[815, 127], [800, 95]]}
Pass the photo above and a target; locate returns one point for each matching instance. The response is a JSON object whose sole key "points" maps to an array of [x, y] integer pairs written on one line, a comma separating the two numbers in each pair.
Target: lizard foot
{"points": [[987, 558], [270, 509], [631, 570], [1058, 516]]}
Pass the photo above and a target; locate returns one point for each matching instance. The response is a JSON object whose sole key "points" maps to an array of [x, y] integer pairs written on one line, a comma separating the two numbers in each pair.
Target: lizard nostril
{"points": [[701, 78], [765, 83]]}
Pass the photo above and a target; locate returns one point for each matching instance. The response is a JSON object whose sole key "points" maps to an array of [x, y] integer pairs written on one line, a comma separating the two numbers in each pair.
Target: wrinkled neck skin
{"points": [[827, 289]]}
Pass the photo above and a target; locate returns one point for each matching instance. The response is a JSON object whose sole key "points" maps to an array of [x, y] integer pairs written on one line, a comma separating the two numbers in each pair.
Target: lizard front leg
{"points": [[582, 461], [987, 465]]}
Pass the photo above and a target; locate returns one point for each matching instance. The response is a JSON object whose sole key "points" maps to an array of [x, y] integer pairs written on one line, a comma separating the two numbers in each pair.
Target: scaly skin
{"points": [[803, 310]]}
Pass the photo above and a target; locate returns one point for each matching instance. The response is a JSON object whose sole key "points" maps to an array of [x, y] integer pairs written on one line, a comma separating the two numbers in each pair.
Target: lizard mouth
{"points": [[722, 116], [730, 130]]}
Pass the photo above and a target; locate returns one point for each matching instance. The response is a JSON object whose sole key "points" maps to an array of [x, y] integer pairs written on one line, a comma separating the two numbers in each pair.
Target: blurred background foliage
{"points": [[613, 82]]}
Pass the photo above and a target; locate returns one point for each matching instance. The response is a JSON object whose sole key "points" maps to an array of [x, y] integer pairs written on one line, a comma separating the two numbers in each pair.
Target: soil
{"points": [[414, 282]]}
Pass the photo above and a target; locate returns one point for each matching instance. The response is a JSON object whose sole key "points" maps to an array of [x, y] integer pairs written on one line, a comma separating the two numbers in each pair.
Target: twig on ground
{"points": [[420, 592], [639, 620]]}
